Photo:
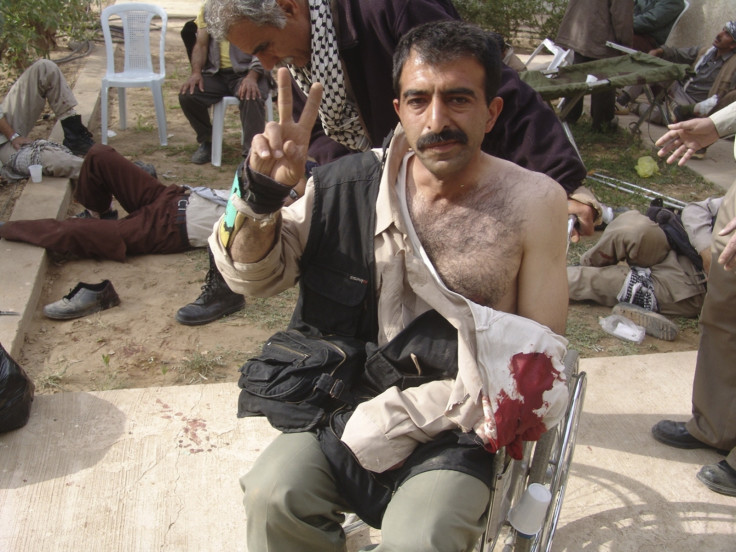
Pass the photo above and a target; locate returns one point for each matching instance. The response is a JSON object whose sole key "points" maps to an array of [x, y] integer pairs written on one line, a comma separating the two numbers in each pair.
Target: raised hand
{"points": [[685, 138], [281, 150]]}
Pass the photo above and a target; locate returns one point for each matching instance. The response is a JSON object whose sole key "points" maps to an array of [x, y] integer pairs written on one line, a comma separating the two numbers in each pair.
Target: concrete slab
{"points": [[25, 265], [158, 468], [627, 491]]}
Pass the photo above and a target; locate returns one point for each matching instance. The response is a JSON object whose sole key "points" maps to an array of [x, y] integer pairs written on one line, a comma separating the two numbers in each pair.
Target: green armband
{"points": [[233, 219]]}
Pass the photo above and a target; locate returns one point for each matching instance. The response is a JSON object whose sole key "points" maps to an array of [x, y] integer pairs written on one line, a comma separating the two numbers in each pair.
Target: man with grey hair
{"points": [[347, 46]]}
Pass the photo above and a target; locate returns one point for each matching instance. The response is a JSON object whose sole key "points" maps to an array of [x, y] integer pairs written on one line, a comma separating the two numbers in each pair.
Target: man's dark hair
{"points": [[443, 41]]}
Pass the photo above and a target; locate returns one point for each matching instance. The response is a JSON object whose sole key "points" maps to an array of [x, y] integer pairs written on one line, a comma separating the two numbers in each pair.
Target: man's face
{"points": [[273, 46], [444, 112], [724, 42]]}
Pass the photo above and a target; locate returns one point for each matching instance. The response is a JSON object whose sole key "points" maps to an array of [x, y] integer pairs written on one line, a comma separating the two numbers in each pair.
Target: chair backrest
{"points": [[136, 20]]}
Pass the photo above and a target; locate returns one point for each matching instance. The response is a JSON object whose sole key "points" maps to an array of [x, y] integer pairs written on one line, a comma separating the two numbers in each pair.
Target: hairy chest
{"points": [[476, 249]]}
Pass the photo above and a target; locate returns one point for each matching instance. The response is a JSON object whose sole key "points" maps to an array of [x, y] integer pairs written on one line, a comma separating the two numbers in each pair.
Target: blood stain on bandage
{"points": [[516, 418]]}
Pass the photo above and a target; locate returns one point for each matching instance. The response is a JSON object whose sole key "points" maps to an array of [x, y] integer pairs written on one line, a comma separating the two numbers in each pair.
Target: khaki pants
{"points": [[42, 82], [634, 239], [292, 503], [714, 386]]}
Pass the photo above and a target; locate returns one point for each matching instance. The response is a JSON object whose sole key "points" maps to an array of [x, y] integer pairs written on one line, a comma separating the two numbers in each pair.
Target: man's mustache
{"points": [[449, 135]]}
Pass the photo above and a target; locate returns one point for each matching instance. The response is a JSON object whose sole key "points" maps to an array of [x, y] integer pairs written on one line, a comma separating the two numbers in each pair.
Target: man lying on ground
{"points": [[160, 219], [42, 82]]}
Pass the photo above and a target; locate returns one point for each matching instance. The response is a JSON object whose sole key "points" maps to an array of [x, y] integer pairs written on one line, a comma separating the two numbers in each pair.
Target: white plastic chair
{"points": [[218, 124], [561, 56], [138, 67]]}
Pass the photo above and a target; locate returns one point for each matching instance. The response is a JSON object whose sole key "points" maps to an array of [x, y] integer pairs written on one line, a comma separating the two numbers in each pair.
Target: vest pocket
{"points": [[333, 301]]}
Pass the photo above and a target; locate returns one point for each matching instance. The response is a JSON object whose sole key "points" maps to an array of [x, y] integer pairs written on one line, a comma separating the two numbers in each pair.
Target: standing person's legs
{"points": [[643, 43], [714, 385], [291, 499], [441, 510], [577, 109], [602, 108], [252, 112]]}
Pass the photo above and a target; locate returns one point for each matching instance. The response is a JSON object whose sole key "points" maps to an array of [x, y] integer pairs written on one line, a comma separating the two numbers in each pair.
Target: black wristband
{"points": [[262, 193]]}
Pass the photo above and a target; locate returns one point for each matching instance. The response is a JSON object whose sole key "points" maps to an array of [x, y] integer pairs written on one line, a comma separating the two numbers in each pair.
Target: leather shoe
{"points": [[719, 477], [675, 434], [84, 299], [203, 154], [215, 301]]}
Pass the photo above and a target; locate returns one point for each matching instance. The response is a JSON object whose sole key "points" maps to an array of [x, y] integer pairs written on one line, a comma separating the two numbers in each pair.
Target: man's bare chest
{"points": [[476, 252]]}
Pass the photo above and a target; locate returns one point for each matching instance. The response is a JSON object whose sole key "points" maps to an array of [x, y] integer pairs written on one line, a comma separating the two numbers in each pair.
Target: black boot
{"points": [[76, 136], [215, 301]]}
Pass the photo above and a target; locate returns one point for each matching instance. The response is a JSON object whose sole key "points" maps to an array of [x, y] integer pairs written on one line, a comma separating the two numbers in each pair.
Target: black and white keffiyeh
{"points": [[339, 116], [30, 154]]}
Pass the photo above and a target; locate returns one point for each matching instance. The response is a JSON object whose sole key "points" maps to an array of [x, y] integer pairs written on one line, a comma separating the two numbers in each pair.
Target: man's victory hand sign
{"points": [[281, 151]]}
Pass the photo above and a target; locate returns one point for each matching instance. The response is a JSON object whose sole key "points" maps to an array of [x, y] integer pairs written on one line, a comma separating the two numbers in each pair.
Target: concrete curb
{"points": [[25, 265]]}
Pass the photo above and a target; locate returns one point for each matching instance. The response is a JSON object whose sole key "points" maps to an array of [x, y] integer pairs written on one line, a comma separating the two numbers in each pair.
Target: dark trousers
{"points": [[156, 222], [644, 43], [602, 103], [224, 83]]}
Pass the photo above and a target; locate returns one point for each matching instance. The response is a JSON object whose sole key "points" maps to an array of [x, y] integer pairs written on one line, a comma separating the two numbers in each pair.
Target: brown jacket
{"points": [[588, 24]]}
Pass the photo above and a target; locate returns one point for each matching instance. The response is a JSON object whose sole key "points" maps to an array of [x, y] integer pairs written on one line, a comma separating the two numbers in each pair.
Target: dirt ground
{"points": [[139, 344]]}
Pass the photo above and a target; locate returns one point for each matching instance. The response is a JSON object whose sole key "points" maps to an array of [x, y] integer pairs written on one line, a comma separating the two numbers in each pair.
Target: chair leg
{"points": [[121, 108], [218, 129], [103, 115], [158, 102]]}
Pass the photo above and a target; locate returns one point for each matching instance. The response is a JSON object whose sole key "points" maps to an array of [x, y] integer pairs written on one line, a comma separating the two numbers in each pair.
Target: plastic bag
{"points": [[16, 393], [646, 167], [623, 328]]}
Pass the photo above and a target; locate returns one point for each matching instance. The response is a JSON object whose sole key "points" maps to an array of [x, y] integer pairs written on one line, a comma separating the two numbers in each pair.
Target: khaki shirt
{"points": [[725, 121], [384, 430]]}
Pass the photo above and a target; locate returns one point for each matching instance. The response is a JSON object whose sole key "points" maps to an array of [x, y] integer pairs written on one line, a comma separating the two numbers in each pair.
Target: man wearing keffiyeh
{"points": [[378, 240], [347, 46]]}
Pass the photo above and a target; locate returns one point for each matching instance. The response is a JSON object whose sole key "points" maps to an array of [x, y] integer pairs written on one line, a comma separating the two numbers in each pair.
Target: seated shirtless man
{"points": [[378, 239]]}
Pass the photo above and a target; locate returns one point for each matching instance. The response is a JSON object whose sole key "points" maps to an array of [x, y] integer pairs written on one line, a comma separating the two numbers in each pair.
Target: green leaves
{"points": [[29, 28], [541, 18]]}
